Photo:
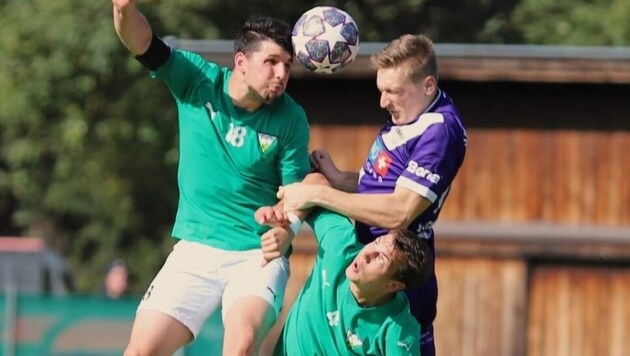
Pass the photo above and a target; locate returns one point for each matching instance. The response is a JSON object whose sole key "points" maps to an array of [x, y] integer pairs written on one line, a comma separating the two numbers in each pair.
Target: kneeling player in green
{"points": [[351, 304]]}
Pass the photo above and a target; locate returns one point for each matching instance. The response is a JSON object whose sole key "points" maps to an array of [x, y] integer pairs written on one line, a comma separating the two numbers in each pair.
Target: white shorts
{"points": [[197, 279]]}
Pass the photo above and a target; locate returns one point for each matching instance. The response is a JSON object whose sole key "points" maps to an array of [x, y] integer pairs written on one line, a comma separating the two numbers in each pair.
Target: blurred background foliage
{"points": [[88, 143]]}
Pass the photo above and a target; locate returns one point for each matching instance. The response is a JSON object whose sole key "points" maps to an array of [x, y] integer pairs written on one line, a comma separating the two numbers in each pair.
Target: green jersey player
{"points": [[352, 303], [240, 138]]}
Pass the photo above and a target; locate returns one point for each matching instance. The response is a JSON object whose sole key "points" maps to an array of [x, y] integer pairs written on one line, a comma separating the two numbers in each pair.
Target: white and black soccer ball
{"points": [[325, 39]]}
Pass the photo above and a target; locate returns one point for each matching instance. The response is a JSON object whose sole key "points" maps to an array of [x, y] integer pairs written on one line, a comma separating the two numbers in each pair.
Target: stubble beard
{"points": [[264, 97], [269, 98]]}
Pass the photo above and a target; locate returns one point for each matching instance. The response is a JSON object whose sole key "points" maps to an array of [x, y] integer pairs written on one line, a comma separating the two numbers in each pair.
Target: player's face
{"points": [[404, 99], [375, 265], [116, 281], [266, 72]]}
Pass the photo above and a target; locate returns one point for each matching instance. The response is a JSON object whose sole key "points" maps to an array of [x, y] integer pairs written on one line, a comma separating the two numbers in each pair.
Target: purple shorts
{"points": [[427, 345], [423, 303]]}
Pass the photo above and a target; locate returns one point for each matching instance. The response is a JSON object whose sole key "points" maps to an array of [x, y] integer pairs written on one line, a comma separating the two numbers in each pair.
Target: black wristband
{"points": [[156, 55]]}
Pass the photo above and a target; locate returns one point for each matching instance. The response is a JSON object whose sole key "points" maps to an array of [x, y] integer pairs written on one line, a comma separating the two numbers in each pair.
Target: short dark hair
{"points": [[417, 259], [115, 263], [263, 28]]}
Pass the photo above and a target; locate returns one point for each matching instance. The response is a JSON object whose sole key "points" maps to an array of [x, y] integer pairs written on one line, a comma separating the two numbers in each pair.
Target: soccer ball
{"points": [[325, 39]]}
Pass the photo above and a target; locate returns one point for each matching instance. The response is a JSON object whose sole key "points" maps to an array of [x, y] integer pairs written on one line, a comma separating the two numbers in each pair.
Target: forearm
{"points": [[389, 211], [132, 28], [346, 181]]}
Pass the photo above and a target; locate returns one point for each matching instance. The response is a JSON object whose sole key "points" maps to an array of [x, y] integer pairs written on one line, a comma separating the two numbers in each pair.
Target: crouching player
{"points": [[352, 302]]}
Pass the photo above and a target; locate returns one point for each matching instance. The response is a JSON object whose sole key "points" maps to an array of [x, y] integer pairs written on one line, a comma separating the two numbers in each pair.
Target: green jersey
{"points": [[231, 161], [326, 318]]}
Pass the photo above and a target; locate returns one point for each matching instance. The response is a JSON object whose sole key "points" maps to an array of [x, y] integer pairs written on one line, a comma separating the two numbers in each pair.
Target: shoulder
{"points": [[403, 335], [443, 125], [189, 55], [402, 135], [447, 108], [404, 321], [289, 108], [326, 219], [180, 57], [332, 228]]}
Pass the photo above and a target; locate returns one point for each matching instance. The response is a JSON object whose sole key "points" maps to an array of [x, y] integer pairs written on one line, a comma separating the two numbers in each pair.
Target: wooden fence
{"points": [[518, 175], [533, 243]]}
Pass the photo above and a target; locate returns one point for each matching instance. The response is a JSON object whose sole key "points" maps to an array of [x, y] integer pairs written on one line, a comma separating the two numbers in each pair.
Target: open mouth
{"points": [[276, 88]]}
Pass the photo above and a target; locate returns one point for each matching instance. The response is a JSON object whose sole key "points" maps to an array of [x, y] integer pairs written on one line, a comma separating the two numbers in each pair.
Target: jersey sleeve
{"points": [[433, 161], [332, 231], [294, 162], [183, 72], [403, 339]]}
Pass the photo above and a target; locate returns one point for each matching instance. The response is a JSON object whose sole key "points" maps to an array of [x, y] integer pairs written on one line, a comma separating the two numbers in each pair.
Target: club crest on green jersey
{"points": [[265, 141], [353, 339]]}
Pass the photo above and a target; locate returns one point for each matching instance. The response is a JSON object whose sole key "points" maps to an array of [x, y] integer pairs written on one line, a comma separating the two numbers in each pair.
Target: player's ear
{"points": [[394, 286], [430, 85], [239, 62]]}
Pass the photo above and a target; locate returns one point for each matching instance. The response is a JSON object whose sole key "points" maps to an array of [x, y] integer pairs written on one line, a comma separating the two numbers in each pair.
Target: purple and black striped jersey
{"points": [[424, 157]]}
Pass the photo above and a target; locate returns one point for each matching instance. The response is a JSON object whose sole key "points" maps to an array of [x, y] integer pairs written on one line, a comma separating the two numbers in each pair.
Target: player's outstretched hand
{"points": [[275, 243], [271, 216]]}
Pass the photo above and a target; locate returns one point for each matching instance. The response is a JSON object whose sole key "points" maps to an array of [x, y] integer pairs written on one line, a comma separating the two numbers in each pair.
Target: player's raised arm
{"points": [[322, 162], [131, 26]]}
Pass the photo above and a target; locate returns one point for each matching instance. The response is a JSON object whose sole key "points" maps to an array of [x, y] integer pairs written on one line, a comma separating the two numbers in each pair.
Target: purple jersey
{"points": [[424, 157]]}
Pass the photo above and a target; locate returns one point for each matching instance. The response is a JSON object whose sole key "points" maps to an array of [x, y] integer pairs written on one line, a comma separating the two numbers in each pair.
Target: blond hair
{"points": [[414, 52]]}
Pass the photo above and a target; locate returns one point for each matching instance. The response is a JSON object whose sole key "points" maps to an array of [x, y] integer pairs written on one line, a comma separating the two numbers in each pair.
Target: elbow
{"points": [[397, 221], [403, 212], [403, 219], [143, 44], [400, 225]]}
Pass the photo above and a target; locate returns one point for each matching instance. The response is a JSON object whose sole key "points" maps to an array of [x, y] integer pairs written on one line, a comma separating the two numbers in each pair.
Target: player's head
{"points": [[406, 76], [394, 261], [115, 280], [416, 259], [263, 28], [263, 53]]}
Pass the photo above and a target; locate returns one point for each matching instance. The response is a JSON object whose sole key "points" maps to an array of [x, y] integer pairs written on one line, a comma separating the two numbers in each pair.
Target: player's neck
{"points": [[241, 95], [372, 298]]}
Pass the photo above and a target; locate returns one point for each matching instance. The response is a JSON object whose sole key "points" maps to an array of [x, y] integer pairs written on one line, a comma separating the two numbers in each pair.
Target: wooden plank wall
{"points": [[579, 311], [512, 306], [481, 306], [517, 175]]}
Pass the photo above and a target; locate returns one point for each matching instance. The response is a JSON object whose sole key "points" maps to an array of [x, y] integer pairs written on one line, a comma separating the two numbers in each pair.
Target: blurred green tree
{"points": [[87, 145], [581, 23]]}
